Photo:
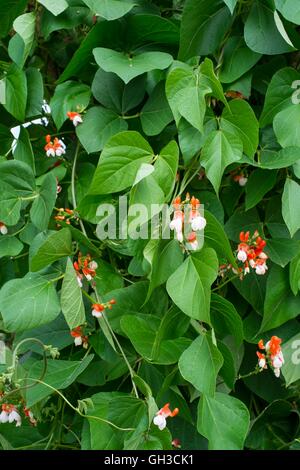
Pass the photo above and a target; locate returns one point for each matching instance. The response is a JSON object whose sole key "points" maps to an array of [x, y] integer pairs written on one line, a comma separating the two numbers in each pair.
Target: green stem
{"points": [[73, 186], [224, 283]]}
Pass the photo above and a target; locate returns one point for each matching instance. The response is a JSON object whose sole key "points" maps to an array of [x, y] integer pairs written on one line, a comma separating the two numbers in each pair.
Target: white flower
{"points": [[193, 245], [88, 277], [3, 229], [77, 120], [246, 270], [176, 224], [160, 421], [263, 255], [252, 263], [278, 360], [198, 223], [79, 281], [262, 363], [46, 108], [93, 265], [277, 372], [78, 341], [14, 416], [3, 417], [243, 181], [242, 256], [50, 152], [261, 269], [96, 313]]}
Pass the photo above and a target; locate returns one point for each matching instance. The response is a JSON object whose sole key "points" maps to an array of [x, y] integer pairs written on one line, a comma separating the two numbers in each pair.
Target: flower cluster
{"points": [[160, 419], [239, 177], [55, 148], [79, 338], [75, 118], [10, 414], [187, 221], [66, 215], [250, 253], [3, 228], [85, 267], [97, 309], [273, 355]]}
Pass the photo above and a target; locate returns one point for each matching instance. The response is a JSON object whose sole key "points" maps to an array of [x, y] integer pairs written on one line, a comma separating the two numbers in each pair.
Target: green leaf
{"points": [[240, 119], [6, 139], [144, 27], [18, 175], [285, 126], [273, 159], [216, 238], [225, 319], [279, 94], [237, 59], [8, 12], [35, 92], [156, 113], [114, 94], [56, 7], [43, 205], [204, 23], [57, 245], [69, 96], [289, 9], [101, 34], [231, 4], [98, 126], [189, 286], [59, 375], [10, 246], [23, 151], [220, 150], [224, 421], [291, 366], [259, 183], [290, 206], [10, 204], [281, 250], [261, 31], [71, 298], [295, 274], [280, 303], [37, 305], [186, 95], [253, 289], [120, 160], [144, 333], [15, 92], [128, 66], [167, 258], [200, 364], [166, 167], [21, 43], [109, 9]]}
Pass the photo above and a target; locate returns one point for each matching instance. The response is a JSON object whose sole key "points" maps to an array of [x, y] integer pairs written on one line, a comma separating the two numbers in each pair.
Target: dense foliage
{"points": [[149, 342]]}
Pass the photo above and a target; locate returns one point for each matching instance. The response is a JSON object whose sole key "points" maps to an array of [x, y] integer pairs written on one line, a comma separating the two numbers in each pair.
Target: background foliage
{"points": [[182, 86]]}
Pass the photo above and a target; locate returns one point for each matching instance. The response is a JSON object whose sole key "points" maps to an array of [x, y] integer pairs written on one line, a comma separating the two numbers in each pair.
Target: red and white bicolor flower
{"points": [[192, 241], [195, 218], [76, 118], [79, 338], [178, 219], [273, 354], [3, 228], [28, 413], [55, 148], [250, 252], [85, 267], [160, 419], [241, 179], [98, 308], [9, 414]]}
